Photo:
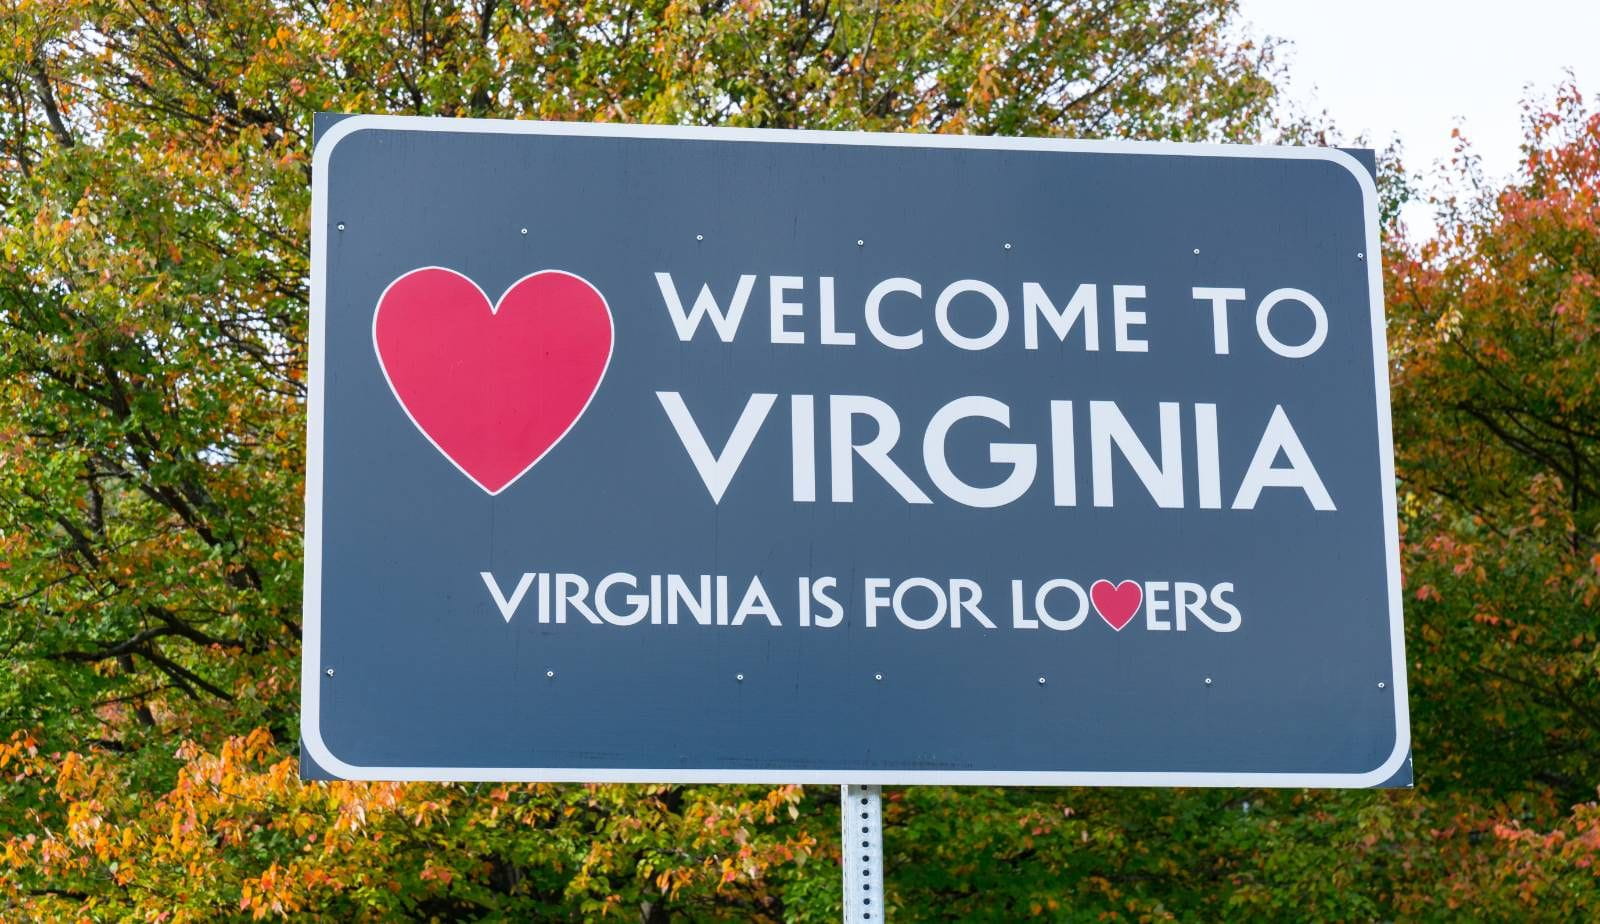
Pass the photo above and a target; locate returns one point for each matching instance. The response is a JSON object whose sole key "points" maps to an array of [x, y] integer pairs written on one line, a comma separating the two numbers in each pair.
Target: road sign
{"points": [[670, 454]]}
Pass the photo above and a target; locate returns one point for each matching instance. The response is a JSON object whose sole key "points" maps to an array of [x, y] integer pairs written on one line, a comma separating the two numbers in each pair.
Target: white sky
{"points": [[1414, 69]]}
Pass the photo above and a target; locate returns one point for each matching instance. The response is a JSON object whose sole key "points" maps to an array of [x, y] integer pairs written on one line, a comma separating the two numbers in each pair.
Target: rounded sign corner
{"points": [[322, 152], [311, 737]]}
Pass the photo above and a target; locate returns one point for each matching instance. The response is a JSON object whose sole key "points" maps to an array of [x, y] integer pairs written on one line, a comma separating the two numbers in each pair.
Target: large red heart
{"points": [[492, 386], [1116, 602]]}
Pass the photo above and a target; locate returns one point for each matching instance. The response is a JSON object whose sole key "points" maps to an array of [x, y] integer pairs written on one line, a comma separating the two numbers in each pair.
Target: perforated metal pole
{"points": [[861, 828]]}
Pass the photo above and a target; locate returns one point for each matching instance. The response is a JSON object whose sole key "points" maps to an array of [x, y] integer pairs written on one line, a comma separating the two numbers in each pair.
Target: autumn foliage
{"points": [[154, 194]]}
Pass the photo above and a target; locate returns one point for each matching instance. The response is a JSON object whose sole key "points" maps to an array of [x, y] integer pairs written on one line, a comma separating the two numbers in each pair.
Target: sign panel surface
{"points": [[712, 455]]}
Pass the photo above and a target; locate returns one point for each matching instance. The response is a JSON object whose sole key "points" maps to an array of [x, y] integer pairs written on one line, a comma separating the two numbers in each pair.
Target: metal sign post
{"points": [[861, 847]]}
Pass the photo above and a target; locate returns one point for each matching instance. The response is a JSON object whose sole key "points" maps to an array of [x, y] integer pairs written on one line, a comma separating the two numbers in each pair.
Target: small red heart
{"points": [[1116, 602], [492, 386]]}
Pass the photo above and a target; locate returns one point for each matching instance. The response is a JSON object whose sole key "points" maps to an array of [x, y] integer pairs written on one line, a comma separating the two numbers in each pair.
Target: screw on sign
{"points": [[689, 428]]}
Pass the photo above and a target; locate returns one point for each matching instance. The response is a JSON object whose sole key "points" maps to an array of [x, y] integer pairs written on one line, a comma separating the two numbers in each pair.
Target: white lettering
{"points": [[717, 470], [1022, 457], [842, 411], [1280, 436], [1108, 426], [686, 323], [1084, 304]]}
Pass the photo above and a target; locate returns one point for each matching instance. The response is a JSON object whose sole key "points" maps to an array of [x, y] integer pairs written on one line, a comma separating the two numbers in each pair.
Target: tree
{"points": [[152, 362], [1498, 430]]}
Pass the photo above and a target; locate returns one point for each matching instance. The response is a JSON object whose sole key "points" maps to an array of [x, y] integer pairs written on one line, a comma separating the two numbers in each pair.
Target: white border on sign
{"points": [[311, 653]]}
